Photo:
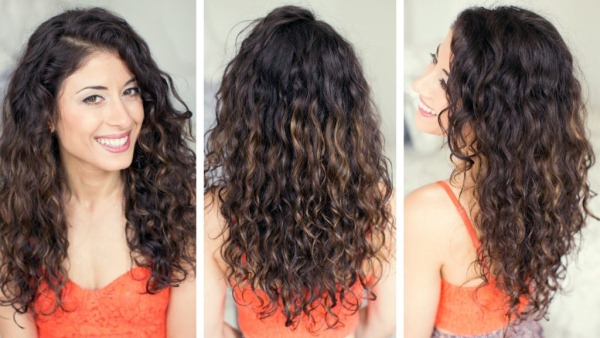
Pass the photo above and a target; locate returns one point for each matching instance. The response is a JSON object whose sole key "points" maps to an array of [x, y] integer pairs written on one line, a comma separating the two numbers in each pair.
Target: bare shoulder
{"points": [[13, 324], [429, 214], [425, 202]]}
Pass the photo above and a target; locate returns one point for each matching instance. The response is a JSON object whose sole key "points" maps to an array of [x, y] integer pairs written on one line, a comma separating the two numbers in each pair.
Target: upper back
{"points": [[434, 214], [469, 307]]}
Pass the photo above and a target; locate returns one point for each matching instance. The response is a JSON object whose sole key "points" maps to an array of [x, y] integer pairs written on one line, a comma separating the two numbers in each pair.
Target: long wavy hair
{"points": [[516, 122], [296, 160], [159, 186]]}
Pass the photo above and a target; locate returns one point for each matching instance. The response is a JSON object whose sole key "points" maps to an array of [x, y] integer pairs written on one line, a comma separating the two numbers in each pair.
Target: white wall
{"points": [[370, 28]]}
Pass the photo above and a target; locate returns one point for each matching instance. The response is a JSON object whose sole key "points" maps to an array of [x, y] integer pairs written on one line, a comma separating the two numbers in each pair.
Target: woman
{"points": [[485, 249], [97, 188], [297, 192]]}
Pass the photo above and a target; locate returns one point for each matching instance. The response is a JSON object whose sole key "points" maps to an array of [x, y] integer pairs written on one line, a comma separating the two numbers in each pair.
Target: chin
{"points": [[118, 165], [430, 127]]}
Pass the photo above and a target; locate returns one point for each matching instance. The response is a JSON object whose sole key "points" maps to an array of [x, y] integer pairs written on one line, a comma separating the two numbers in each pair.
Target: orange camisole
{"points": [[470, 310], [121, 309], [274, 326]]}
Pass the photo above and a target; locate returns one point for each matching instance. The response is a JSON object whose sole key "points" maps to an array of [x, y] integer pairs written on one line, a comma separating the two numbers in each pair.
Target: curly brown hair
{"points": [[296, 160], [512, 85], [159, 193]]}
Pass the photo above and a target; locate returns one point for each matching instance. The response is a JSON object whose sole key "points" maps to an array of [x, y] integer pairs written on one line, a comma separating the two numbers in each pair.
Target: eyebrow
{"points": [[133, 79]]}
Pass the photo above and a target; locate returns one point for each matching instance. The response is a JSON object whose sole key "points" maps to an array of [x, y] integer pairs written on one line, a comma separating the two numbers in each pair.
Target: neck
{"points": [[89, 188]]}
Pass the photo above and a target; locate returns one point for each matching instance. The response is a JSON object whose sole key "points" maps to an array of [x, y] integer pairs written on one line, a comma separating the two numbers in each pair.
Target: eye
{"points": [[133, 91], [93, 99], [434, 59]]}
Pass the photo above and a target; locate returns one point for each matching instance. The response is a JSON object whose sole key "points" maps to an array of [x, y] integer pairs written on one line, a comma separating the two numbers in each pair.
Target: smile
{"points": [[113, 142], [116, 143], [426, 111]]}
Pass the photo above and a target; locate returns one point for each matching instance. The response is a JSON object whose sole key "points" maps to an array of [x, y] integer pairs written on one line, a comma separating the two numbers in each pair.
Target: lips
{"points": [[115, 143], [425, 110]]}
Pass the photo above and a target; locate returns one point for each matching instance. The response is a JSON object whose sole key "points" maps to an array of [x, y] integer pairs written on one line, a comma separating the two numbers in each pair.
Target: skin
{"points": [[377, 319], [101, 100], [93, 172], [436, 242], [431, 92], [215, 280]]}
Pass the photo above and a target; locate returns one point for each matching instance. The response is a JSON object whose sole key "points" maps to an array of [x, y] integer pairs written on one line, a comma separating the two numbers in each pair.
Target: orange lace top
{"points": [[121, 309], [470, 310], [274, 326]]}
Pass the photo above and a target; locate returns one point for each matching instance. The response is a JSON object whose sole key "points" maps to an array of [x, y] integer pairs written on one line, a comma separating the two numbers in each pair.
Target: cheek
{"points": [[428, 125], [136, 111], [431, 125], [72, 125], [77, 123], [441, 99]]}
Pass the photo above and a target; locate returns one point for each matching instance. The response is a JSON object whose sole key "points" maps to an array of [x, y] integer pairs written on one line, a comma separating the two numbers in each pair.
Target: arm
{"points": [[215, 285], [422, 263], [378, 319], [181, 314], [10, 329]]}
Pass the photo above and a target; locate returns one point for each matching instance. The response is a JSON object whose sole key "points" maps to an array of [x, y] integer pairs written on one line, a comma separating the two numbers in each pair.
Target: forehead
{"points": [[99, 68], [444, 47]]}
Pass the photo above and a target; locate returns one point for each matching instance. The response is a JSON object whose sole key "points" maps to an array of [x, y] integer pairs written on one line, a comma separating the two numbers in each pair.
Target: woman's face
{"points": [[100, 115], [432, 93]]}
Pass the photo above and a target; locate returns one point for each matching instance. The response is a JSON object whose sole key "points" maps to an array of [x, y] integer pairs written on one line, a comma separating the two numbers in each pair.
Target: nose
{"points": [[417, 84], [420, 85], [119, 114]]}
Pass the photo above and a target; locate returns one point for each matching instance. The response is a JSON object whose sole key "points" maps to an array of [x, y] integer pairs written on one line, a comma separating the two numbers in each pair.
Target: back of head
{"points": [[296, 156], [510, 68], [516, 117]]}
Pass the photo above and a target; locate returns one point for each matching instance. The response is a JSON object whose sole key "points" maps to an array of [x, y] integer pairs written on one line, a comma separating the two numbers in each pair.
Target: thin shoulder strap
{"points": [[462, 213]]}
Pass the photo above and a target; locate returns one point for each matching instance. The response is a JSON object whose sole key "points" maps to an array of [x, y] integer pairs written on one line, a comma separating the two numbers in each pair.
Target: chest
{"points": [[121, 309], [98, 251]]}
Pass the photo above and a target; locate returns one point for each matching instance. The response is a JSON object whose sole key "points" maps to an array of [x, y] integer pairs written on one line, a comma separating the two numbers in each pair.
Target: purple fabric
{"points": [[525, 329]]}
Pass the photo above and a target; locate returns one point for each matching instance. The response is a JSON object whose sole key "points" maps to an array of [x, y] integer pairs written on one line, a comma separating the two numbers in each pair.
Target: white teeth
{"points": [[427, 109], [113, 142]]}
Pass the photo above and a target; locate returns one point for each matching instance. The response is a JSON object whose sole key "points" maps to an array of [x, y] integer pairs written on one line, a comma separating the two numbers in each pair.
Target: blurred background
{"points": [[370, 28], [574, 312], [169, 28]]}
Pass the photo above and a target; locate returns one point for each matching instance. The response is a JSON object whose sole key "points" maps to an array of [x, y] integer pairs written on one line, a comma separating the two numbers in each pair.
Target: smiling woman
{"points": [[485, 249], [97, 188], [432, 91], [101, 114]]}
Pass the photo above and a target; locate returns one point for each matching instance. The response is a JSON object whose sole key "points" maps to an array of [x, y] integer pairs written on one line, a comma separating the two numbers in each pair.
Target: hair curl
{"points": [[159, 193], [296, 160], [516, 121]]}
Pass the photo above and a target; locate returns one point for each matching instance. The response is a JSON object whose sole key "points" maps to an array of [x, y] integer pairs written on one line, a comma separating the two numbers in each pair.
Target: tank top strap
{"points": [[462, 213]]}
